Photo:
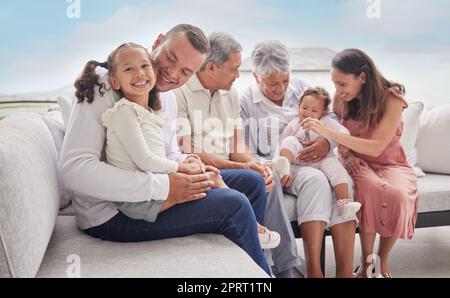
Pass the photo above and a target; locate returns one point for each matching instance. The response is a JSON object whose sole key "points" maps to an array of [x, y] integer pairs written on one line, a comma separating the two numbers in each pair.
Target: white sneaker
{"points": [[348, 208], [269, 239], [282, 166]]}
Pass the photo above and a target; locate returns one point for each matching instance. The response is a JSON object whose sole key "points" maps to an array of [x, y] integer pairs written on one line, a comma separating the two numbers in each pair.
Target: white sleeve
{"points": [[84, 173], [169, 104], [238, 123], [249, 126], [126, 126], [244, 107], [182, 114], [290, 129]]}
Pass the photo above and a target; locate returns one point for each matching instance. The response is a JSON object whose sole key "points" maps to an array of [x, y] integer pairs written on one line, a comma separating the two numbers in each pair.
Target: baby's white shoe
{"points": [[282, 166], [348, 208], [269, 239]]}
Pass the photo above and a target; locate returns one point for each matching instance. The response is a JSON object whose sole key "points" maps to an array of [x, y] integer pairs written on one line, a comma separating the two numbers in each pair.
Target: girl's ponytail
{"points": [[85, 84]]}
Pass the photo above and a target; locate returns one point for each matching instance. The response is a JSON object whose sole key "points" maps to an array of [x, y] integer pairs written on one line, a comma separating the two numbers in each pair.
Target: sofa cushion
{"points": [[433, 143], [55, 124], [434, 195], [72, 253], [411, 120], [65, 105], [29, 193]]}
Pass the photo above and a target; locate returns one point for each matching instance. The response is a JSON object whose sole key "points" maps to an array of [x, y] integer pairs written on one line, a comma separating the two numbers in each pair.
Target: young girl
{"points": [[385, 184], [314, 103], [135, 124]]}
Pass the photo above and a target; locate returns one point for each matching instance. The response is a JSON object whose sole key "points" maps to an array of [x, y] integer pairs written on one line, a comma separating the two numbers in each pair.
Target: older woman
{"points": [[267, 108]]}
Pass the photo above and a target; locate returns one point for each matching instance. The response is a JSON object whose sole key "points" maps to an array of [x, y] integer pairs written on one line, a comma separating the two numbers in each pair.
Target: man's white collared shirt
{"points": [[210, 120]]}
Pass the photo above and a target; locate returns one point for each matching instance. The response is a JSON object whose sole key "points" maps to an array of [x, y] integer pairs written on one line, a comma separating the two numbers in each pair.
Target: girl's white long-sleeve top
{"points": [[135, 138]]}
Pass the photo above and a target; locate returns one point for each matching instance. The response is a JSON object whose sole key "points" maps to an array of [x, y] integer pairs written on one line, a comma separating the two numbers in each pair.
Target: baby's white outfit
{"points": [[330, 165]]}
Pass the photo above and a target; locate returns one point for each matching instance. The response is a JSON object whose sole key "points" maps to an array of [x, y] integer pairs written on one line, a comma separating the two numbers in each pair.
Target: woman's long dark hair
{"points": [[371, 108], [88, 80]]}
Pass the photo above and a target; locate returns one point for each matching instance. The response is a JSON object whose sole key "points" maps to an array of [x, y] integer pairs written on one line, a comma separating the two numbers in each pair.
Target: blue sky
{"points": [[43, 49]]}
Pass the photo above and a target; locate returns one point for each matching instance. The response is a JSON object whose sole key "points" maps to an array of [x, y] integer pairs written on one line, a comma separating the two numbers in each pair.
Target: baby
{"points": [[314, 104]]}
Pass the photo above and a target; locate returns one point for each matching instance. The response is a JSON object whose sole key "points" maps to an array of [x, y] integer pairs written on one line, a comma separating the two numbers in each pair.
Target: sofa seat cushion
{"points": [[434, 195], [195, 256]]}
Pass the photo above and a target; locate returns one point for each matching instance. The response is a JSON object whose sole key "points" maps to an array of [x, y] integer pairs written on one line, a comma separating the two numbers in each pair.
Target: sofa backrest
{"points": [[29, 193]]}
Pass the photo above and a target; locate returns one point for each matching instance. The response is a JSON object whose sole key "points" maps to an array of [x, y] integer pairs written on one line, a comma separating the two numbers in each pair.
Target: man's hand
{"points": [[344, 152], [287, 180], [194, 163], [185, 188], [212, 169], [190, 168], [255, 166], [264, 170], [353, 164], [316, 150], [270, 180]]}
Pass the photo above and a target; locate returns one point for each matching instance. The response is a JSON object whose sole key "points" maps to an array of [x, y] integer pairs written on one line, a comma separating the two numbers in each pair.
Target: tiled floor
{"points": [[426, 255]]}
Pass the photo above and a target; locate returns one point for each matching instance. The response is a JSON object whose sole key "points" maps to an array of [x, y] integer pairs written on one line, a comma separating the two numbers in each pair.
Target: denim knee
{"points": [[255, 181], [236, 201]]}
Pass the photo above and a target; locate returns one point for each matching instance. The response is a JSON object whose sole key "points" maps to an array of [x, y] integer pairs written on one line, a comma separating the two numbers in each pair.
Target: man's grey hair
{"points": [[269, 57], [222, 45]]}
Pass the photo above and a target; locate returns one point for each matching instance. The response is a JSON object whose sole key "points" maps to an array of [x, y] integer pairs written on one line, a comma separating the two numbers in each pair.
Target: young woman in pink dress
{"points": [[371, 109]]}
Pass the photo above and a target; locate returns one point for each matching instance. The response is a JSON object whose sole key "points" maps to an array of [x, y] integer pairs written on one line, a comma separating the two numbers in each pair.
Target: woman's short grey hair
{"points": [[270, 57], [222, 45]]}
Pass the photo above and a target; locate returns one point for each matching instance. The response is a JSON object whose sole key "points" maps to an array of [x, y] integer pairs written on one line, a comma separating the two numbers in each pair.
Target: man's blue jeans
{"points": [[252, 185], [222, 211]]}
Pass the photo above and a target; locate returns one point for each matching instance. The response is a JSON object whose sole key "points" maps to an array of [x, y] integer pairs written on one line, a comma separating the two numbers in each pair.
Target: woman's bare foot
{"points": [[361, 271], [217, 179]]}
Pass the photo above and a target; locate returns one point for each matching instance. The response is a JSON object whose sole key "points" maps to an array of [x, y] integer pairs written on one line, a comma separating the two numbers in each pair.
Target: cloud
{"points": [[408, 31], [140, 23], [403, 26]]}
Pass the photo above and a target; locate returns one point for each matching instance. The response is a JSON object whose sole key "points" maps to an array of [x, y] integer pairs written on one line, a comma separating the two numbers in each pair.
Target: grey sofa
{"points": [[37, 241]]}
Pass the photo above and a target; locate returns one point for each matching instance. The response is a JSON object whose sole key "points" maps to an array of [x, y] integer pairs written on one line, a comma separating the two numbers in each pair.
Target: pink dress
{"points": [[387, 188]]}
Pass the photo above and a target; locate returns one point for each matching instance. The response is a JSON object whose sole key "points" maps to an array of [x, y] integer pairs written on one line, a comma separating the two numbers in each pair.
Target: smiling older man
{"points": [[213, 129]]}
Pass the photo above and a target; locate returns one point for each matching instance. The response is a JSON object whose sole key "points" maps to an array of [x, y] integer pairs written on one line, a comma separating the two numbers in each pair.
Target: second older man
{"points": [[212, 128]]}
